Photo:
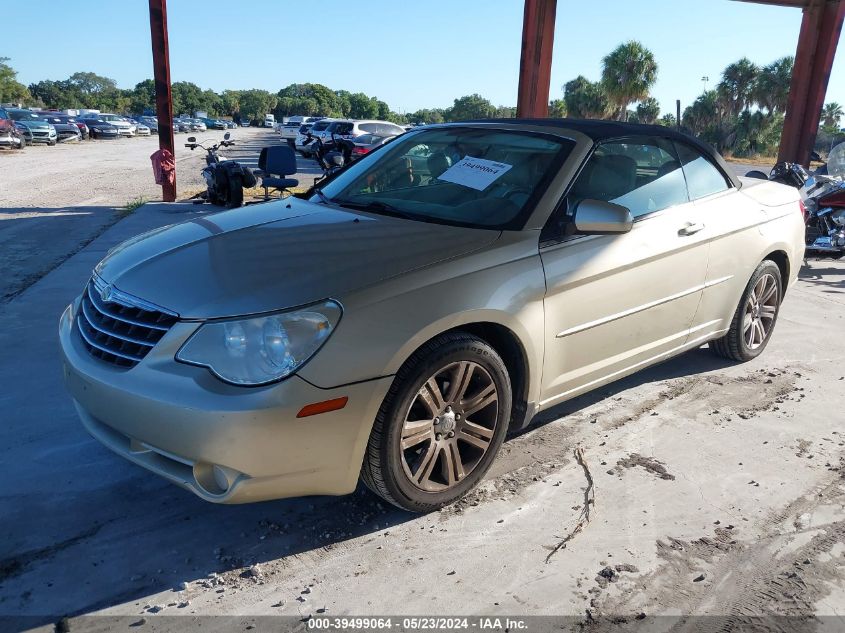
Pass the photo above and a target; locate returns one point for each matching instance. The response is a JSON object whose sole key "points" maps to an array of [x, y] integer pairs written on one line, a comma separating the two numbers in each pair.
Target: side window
{"points": [[372, 128], [703, 177], [643, 175]]}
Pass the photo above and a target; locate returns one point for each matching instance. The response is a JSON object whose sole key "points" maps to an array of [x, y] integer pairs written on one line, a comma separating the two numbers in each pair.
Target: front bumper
{"points": [[225, 443], [43, 136], [6, 139]]}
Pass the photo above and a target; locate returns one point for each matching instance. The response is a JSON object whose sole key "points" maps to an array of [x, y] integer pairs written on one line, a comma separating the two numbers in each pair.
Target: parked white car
{"points": [[141, 129]]}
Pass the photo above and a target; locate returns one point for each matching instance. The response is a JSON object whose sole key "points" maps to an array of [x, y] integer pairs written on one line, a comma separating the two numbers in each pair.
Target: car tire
{"points": [[755, 317], [51, 143], [424, 452]]}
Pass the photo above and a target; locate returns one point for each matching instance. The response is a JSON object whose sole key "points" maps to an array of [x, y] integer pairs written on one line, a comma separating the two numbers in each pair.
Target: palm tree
{"points": [[629, 73], [771, 90], [585, 99], [737, 85], [648, 110], [831, 114], [706, 117]]}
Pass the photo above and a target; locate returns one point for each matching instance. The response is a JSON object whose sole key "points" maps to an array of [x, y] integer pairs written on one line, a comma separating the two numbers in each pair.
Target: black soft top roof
{"points": [[601, 130]]}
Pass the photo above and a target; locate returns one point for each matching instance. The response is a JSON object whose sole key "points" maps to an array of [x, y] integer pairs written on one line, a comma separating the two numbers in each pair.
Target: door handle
{"points": [[691, 228]]}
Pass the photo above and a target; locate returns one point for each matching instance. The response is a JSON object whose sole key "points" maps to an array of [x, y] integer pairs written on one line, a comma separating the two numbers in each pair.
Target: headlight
{"points": [[264, 349]]}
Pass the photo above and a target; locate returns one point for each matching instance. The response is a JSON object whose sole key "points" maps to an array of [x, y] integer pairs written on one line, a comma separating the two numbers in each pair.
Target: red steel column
{"points": [[535, 65], [161, 73], [817, 41]]}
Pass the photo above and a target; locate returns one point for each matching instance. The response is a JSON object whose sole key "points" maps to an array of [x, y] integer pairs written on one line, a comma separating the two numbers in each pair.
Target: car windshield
{"points": [[109, 117], [454, 175], [21, 115]]}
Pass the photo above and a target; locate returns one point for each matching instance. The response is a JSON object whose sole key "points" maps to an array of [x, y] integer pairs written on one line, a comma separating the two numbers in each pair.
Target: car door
{"points": [[615, 303]]}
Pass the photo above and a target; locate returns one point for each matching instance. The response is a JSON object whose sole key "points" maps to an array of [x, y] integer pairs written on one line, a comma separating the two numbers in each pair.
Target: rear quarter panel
{"points": [[752, 223]]}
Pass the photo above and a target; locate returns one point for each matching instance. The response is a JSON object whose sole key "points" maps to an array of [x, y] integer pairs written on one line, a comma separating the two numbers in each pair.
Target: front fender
{"points": [[383, 325]]}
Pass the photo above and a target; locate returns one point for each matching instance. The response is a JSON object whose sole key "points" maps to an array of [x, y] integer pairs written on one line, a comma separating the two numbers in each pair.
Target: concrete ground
{"points": [[719, 490], [54, 200]]}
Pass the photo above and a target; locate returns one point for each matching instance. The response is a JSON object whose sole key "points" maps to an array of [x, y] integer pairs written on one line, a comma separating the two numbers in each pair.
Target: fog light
{"points": [[213, 479]]}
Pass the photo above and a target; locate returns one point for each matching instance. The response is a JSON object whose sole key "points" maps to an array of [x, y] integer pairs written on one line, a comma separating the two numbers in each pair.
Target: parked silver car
{"points": [[396, 323]]}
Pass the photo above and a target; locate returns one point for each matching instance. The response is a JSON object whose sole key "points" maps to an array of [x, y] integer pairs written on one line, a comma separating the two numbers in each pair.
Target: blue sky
{"points": [[411, 55]]}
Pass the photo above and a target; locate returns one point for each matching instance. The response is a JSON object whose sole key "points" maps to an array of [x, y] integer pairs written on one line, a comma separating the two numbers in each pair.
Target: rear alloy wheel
{"points": [[440, 425], [755, 317]]}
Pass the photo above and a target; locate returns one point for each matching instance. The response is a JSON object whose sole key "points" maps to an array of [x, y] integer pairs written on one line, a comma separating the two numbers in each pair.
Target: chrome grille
{"points": [[119, 328]]}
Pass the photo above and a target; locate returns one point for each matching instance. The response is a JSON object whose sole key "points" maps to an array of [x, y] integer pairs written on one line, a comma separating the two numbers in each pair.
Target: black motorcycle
{"points": [[225, 179], [332, 156]]}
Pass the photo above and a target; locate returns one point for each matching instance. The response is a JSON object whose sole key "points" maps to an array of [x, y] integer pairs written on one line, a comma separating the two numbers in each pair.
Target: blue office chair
{"points": [[278, 160]]}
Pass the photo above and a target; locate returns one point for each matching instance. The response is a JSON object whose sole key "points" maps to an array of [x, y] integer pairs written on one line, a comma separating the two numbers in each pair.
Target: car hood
{"points": [[277, 255], [38, 125]]}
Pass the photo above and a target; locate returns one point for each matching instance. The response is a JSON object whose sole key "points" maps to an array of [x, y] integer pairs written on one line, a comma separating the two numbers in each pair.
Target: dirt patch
{"points": [[14, 565], [651, 465], [778, 573]]}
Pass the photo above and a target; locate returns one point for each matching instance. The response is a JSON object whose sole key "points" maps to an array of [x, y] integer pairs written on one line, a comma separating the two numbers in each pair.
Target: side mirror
{"points": [[226, 136], [596, 217], [192, 139]]}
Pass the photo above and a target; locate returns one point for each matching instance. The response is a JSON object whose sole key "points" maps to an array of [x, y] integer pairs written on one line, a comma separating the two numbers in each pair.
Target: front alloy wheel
{"points": [[449, 426], [440, 425]]}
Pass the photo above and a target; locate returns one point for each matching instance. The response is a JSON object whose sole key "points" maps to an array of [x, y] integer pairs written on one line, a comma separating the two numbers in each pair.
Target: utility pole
{"points": [[704, 80], [161, 74], [678, 109]]}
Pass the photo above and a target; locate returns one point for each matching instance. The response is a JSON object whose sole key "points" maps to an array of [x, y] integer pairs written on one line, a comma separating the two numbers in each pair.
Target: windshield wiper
{"points": [[377, 206], [322, 196]]}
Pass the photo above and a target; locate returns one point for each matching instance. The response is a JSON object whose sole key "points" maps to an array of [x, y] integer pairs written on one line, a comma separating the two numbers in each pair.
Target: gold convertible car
{"points": [[395, 322]]}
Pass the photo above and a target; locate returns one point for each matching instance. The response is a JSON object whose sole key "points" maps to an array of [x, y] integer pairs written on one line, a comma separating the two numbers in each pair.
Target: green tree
{"points": [[143, 96], [187, 98], [736, 89], [648, 110], [585, 99], [472, 106], [628, 74], [362, 107], [771, 90], [557, 109], [11, 89], [256, 103], [667, 120], [230, 101], [831, 114], [707, 118], [505, 112], [55, 94], [757, 133], [427, 116]]}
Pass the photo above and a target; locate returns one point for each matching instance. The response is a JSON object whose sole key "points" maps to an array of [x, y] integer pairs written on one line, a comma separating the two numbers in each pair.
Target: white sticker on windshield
{"points": [[475, 173]]}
